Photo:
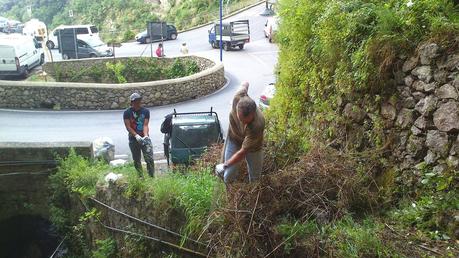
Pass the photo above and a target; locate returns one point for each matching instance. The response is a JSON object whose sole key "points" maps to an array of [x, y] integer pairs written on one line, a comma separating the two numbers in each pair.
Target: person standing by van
{"points": [[184, 49], [136, 119], [160, 50]]}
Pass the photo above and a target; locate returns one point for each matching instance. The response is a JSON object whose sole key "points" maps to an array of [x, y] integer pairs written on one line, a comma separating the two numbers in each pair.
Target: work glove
{"points": [[139, 138], [146, 138], [220, 170]]}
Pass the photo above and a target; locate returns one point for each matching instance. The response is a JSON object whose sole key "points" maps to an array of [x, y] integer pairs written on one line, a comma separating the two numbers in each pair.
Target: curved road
{"points": [[255, 64]]}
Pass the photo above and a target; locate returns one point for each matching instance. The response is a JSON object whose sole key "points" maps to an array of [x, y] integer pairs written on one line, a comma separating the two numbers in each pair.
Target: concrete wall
{"points": [[93, 96], [24, 188]]}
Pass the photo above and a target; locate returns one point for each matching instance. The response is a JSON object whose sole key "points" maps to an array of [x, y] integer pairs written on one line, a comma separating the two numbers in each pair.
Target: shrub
{"points": [[105, 248], [180, 68], [433, 210], [130, 70], [128, 35]]}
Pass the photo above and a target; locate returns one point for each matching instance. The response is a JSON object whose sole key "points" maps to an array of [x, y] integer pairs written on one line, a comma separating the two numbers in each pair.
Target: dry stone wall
{"points": [[93, 96], [422, 117], [428, 117]]}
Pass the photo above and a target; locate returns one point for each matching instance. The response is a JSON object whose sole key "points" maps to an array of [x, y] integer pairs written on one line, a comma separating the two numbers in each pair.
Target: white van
{"points": [[19, 54], [37, 29], [84, 32], [3, 23]]}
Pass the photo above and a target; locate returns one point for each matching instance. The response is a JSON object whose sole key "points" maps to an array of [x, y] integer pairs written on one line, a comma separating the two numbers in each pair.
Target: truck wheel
{"points": [[92, 55], [226, 46], [215, 44], [65, 57], [241, 46], [147, 40], [50, 44], [42, 59], [173, 36]]}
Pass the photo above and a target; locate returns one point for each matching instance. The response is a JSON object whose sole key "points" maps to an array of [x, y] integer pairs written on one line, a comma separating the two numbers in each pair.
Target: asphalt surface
{"points": [[256, 64]]}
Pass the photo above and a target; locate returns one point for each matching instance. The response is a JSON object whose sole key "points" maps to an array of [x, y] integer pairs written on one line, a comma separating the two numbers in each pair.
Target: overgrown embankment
{"points": [[181, 203], [354, 77], [376, 80]]}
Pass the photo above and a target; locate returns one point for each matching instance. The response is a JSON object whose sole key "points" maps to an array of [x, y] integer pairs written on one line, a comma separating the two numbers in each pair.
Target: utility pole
{"points": [[221, 30]]}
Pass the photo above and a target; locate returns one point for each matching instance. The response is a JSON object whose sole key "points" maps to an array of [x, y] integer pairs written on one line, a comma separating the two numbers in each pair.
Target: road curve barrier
{"points": [[105, 96]]}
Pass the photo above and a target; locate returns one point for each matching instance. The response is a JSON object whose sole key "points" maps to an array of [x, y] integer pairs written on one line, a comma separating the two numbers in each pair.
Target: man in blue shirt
{"points": [[136, 120]]}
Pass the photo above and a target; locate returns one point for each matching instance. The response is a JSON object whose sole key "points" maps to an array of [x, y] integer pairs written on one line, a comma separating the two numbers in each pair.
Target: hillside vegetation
{"points": [[323, 195], [126, 17]]}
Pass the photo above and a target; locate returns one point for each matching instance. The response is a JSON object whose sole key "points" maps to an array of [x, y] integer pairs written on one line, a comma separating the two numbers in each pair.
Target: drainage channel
{"points": [[25, 236], [24, 229]]}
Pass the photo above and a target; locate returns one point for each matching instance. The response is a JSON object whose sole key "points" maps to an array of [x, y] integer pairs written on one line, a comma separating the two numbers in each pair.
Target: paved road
{"points": [[255, 64]]}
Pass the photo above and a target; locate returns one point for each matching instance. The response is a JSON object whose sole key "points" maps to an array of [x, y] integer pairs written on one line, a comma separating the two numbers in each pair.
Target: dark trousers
{"points": [[147, 149]]}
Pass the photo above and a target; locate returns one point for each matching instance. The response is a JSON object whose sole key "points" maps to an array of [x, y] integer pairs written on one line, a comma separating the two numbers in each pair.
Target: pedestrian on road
{"points": [[184, 49], [160, 50], [136, 120], [245, 138]]}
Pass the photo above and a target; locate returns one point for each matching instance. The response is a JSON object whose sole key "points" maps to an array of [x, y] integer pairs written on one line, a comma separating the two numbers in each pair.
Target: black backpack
{"points": [[166, 126]]}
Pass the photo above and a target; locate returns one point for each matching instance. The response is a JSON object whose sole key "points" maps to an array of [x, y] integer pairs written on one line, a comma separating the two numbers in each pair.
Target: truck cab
{"points": [[234, 34]]}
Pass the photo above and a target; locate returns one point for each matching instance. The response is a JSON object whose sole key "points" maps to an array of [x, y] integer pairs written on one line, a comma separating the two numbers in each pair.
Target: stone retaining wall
{"points": [[428, 111], [422, 116], [24, 182], [93, 96]]}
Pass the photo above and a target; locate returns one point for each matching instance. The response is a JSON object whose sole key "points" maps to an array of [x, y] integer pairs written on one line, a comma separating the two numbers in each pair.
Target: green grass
{"points": [[195, 194], [352, 239], [295, 233], [342, 238]]}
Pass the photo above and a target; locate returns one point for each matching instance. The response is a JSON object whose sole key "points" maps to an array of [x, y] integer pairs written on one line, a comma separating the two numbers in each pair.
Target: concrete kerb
{"points": [[224, 17]]}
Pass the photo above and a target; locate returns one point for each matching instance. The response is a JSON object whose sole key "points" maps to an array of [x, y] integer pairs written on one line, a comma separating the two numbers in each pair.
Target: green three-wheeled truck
{"points": [[188, 135]]}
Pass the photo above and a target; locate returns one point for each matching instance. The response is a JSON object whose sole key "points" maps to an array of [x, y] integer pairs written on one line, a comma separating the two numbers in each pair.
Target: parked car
{"points": [[267, 96], [234, 34], [19, 54], [83, 32], [271, 27], [90, 48], [13, 27], [188, 135], [144, 38]]}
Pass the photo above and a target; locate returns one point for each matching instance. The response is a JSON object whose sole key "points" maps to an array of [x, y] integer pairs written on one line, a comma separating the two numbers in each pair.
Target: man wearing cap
{"points": [[245, 138], [136, 120]]}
